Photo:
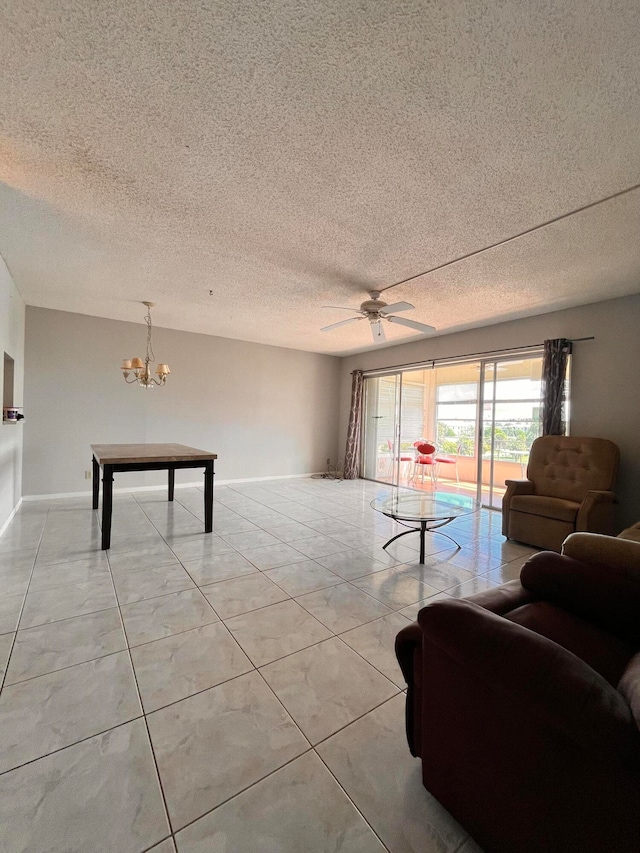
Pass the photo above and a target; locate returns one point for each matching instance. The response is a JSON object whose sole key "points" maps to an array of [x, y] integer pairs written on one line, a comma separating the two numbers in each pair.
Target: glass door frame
{"points": [[484, 364], [395, 457]]}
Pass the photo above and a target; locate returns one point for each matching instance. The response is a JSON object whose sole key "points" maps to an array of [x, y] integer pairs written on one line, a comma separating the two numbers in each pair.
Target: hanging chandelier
{"points": [[141, 369]]}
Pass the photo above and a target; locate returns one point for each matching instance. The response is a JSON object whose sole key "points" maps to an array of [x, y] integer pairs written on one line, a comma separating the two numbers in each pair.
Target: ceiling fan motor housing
{"points": [[373, 306]]}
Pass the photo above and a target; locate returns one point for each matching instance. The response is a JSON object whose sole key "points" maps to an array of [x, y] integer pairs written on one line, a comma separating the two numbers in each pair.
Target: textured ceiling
{"points": [[294, 154]]}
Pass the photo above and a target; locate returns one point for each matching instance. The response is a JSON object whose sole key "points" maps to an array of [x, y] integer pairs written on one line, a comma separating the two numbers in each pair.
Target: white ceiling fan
{"points": [[375, 311]]}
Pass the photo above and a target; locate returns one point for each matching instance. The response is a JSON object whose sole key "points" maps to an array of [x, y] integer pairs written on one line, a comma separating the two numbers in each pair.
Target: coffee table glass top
{"points": [[409, 505]]}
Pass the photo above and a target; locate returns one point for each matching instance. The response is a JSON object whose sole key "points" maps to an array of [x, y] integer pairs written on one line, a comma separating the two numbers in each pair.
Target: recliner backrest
{"points": [[566, 467]]}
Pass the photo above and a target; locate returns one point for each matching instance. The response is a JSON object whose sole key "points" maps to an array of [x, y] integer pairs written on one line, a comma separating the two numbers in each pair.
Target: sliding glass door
{"points": [[396, 412], [511, 420], [456, 393], [380, 424], [482, 417], [438, 406]]}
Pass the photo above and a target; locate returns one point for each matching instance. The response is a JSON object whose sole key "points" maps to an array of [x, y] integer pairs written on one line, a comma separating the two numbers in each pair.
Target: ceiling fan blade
{"points": [[341, 323], [397, 306], [378, 333], [340, 308], [411, 324]]}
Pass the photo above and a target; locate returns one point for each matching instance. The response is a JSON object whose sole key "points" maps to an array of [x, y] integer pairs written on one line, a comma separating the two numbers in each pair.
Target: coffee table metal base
{"points": [[424, 528]]}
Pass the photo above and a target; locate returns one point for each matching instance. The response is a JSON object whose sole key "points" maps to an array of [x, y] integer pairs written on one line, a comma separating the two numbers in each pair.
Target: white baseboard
{"points": [[262, 479], [11, 515], [115, 492], [163, 487]]}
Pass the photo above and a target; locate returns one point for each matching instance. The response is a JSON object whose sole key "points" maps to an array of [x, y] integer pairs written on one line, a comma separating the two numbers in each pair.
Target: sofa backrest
{"points": [[567, 467]]}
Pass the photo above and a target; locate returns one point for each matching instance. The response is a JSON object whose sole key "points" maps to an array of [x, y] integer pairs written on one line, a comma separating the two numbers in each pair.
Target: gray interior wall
{"points": [[605, 388], [12, 312], [266, 411]]}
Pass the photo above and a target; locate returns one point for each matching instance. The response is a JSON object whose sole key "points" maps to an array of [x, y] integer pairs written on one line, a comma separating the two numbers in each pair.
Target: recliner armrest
{"points": [[601, 496], [519, 487], [514, 487], [533, 672], [596, 513]]}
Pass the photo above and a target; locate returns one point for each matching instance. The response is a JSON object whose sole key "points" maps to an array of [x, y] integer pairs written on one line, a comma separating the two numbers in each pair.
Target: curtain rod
{"points": [[433, 361]]}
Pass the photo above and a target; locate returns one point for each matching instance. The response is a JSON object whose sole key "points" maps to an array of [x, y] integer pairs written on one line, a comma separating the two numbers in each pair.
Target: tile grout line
{"points": [[170, 837], [315, 752], [245, 789], [73, 743], [377, 668], [64, 619], [344, 791], [24, 601], [144, 716], [70, 665]]}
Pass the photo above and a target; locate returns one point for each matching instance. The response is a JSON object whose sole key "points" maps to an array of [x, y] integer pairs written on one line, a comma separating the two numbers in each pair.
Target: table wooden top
{"points": [[120, 454]]}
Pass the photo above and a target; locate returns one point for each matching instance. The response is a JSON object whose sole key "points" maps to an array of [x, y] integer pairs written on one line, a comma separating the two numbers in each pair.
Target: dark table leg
{"points": [[107, 505], [96, 483], [172, 482], [208, 496]]}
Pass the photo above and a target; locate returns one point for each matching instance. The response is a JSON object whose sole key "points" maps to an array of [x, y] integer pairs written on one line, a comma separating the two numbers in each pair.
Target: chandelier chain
{"points": [[150, 353]]}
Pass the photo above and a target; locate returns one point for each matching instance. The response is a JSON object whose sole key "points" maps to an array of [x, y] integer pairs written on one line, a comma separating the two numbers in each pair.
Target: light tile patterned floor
{"points": [[232, 692]]}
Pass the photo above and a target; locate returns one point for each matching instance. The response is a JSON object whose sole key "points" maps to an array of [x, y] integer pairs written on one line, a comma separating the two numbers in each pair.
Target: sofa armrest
{"points": [[605, 594], [596, 512], [501, 599], [407, 640], [409, 655], [606, 552], [514, 487], [531, 672]]}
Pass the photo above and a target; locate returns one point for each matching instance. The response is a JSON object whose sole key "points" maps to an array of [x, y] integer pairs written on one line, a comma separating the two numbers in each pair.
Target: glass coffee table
{"points": [[428, 511]]}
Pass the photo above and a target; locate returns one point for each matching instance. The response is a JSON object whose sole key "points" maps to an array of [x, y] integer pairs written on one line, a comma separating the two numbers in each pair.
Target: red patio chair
{"points": [[425, 456], [403, 457]]}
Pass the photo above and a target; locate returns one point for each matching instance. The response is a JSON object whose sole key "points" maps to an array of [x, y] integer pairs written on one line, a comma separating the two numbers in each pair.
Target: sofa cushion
{"points": [[557, 508], [606, 654]]}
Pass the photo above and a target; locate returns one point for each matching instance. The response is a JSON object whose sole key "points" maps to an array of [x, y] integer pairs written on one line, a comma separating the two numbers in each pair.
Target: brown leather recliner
{"points": [[568, 489], [523, 702]]}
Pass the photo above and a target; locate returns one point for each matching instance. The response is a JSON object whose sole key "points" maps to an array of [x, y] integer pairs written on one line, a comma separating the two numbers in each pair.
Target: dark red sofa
{"points": [[524, 703]]}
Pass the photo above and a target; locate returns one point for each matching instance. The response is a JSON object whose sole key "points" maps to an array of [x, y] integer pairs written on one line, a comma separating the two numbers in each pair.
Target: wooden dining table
{"points": [[114, 458]]}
